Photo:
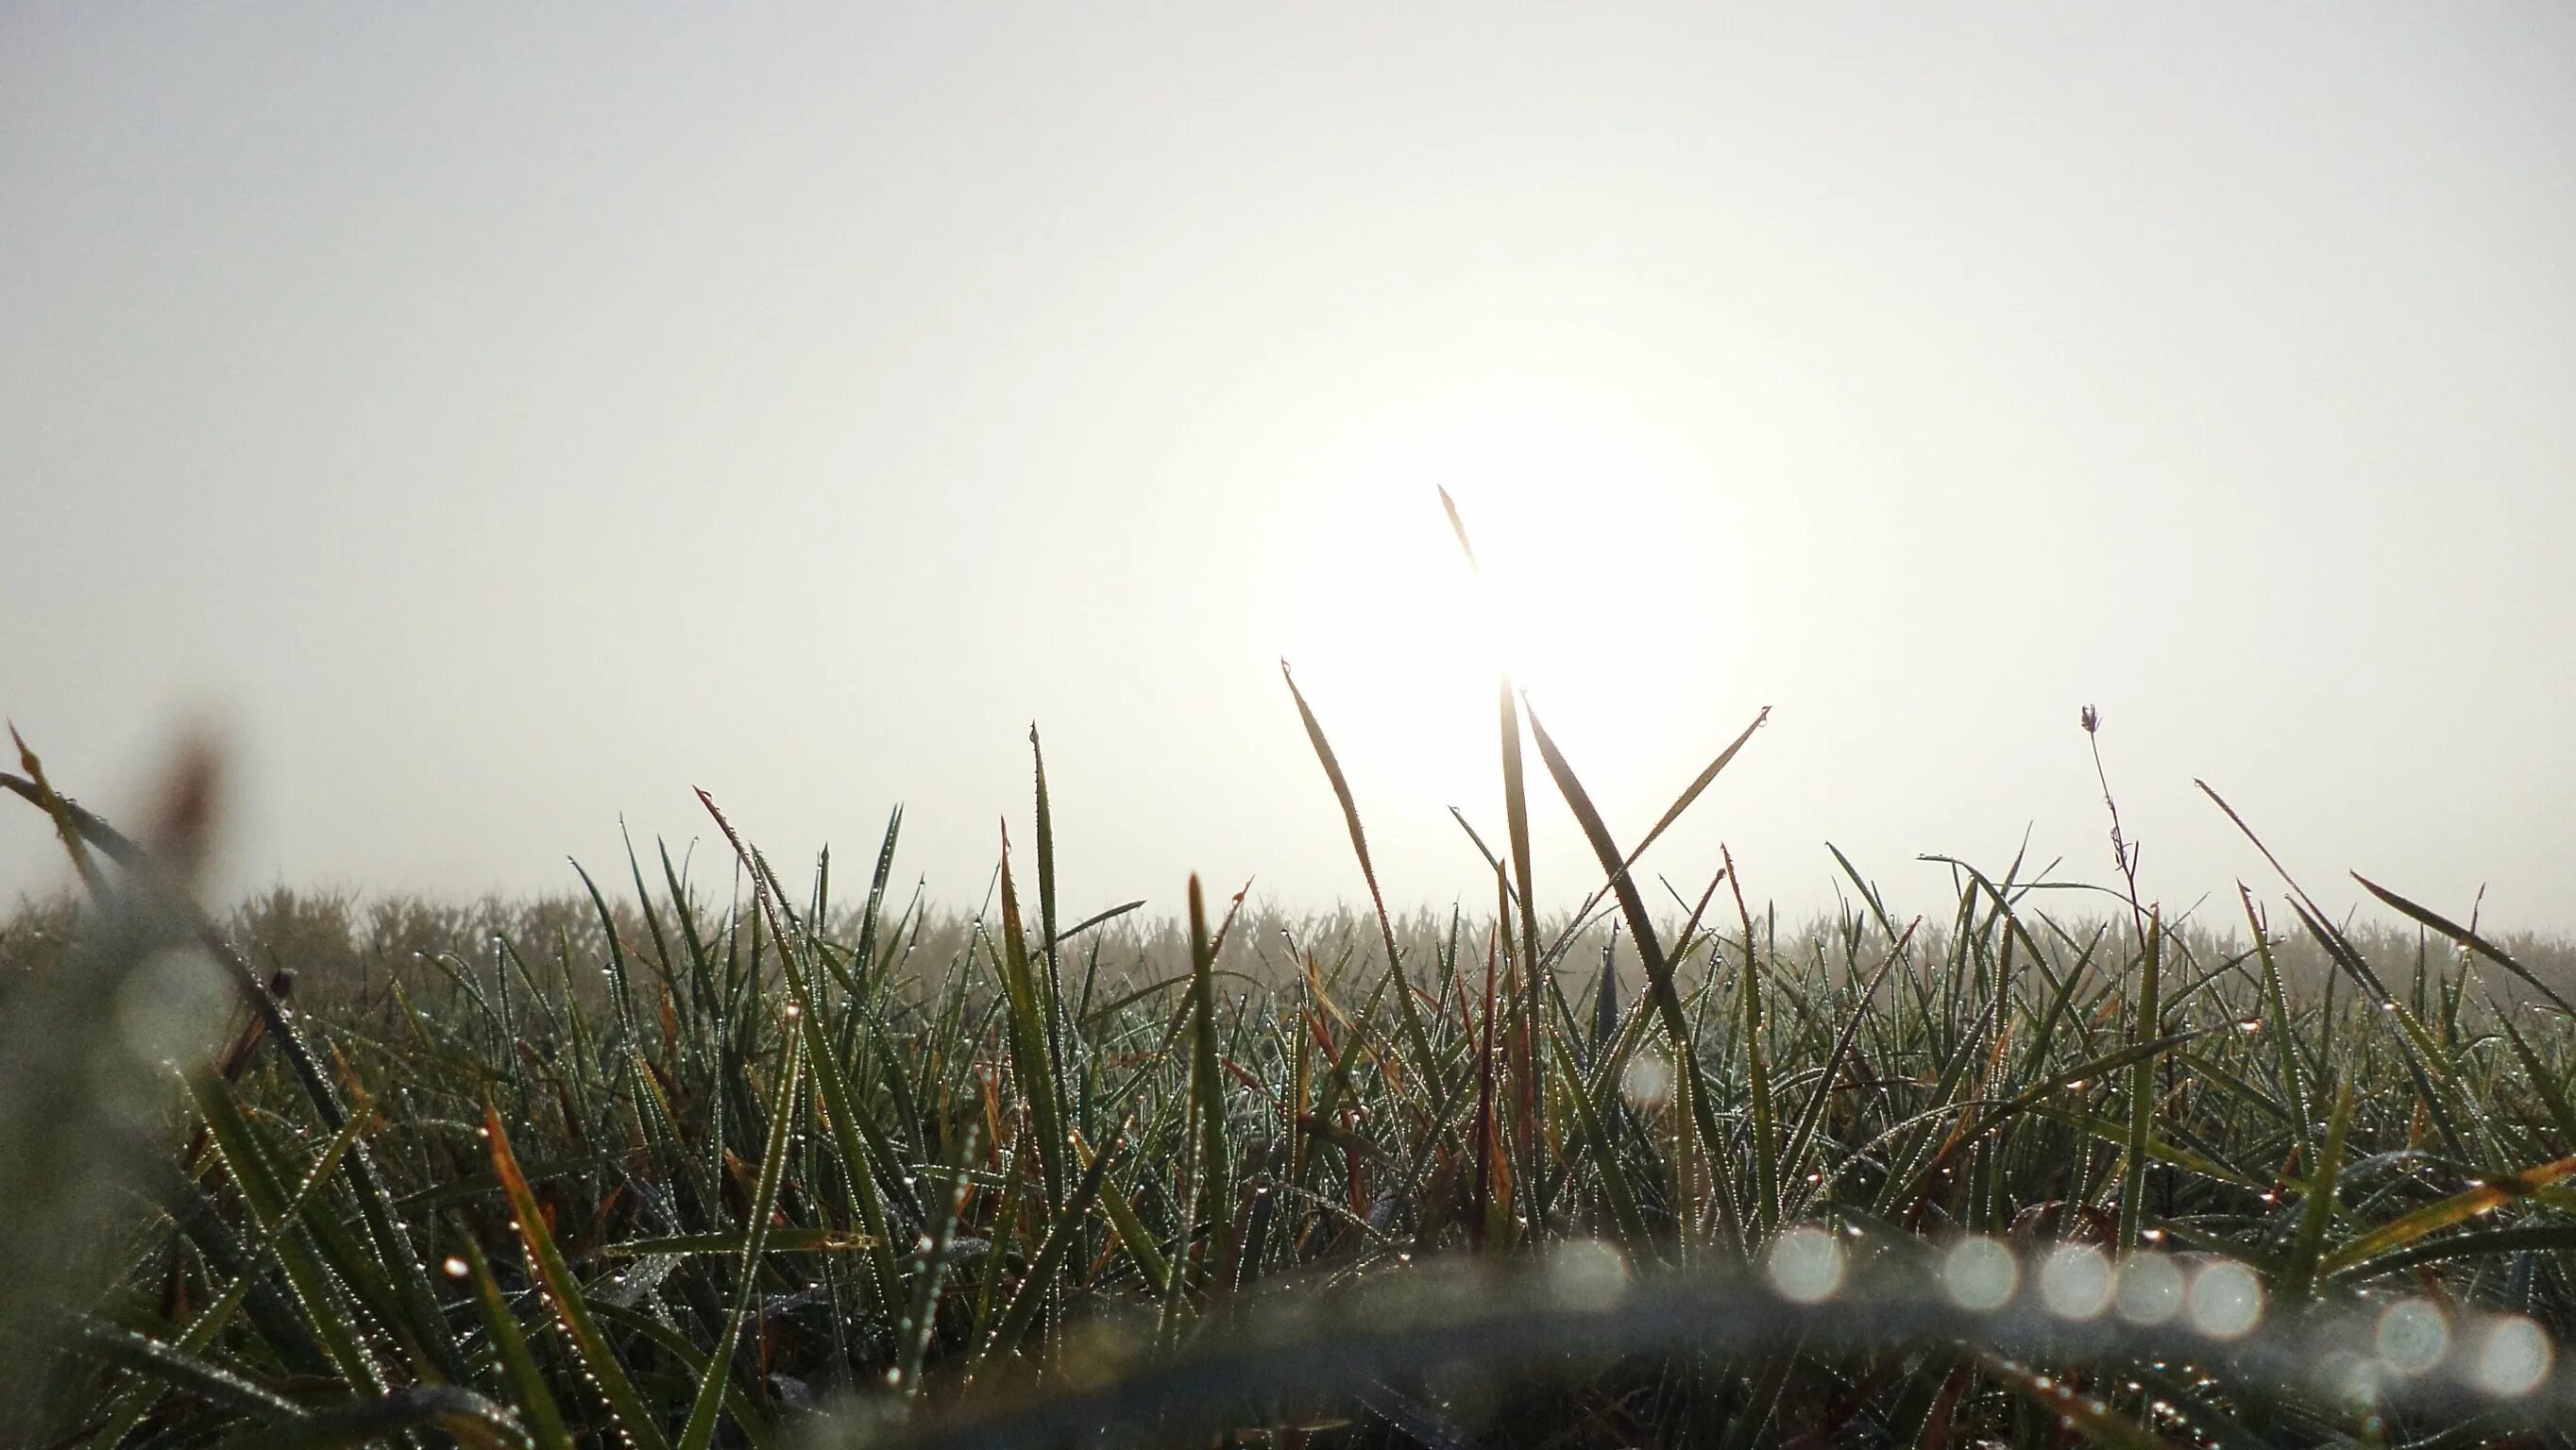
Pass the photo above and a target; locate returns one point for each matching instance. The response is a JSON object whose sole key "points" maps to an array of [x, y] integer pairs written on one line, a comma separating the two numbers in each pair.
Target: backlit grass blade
{"points": [[1207, 1083], [1416, 1035], [1033, 1065], [1650, 953], [177, 1367], [1051, 1254], [1534, 968], [1793, 1158], [474, 1422], [777, 1240], [2458, 1208], [2467, 938], [1767, 1205], [1603, 1156], [423, 1323], [2316, 1213], [317, 1288], [2058, 1400], [2423, 1057], [691, 1363], [1699, 784], [2277, 1028], [2556, 1238], [1055, 1003], [1099, 919], [2552, 1092], [2142, 1088], [873, 912]]}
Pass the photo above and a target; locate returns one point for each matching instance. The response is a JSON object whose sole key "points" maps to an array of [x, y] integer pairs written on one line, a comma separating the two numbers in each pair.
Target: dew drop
{"points": [[1806, 1266], [2225, 1301], [2412, 1337], [1980, 1275], [2512, 1357], [2075, 1282], [2151, 1289]]}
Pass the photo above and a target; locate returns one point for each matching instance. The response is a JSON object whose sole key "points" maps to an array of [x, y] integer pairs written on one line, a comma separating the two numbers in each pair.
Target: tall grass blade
{"points": [[1416, 1035], [701, 1429], [1650, 954]]}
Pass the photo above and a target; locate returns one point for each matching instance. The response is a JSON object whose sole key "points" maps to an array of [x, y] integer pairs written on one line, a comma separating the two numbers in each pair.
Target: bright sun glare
{"points": [[1387, 621]]}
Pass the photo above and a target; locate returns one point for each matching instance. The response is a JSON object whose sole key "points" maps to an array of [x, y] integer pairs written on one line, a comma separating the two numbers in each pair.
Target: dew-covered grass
{"points": [[676, 1163]]}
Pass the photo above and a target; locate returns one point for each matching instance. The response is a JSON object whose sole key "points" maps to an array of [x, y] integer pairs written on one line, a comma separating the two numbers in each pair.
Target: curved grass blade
{"points": [[563, 1295], [2316, 1213], [1659, 973], [471, 1420], [1416, 1035], [2467, 938], [527, 1383], [183, 1369], [2467, 1204], [423, 1324]]}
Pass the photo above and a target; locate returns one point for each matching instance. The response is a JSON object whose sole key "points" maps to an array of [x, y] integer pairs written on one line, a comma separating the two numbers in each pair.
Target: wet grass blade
{"points": [[563, 1294], [2458, 1208], [1055, 1004], [527, 1384], [1051, 1254], [1033, 1066], [2467, 938], [2316, 1213], [1207, 1083], [701, 1429], [2142, 1088]]}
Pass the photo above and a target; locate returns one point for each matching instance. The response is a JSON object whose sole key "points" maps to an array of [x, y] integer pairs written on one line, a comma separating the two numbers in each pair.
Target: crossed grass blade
{"points": [[1417, 1036], [1659, 972], [563, 1295], [416, 1309]]}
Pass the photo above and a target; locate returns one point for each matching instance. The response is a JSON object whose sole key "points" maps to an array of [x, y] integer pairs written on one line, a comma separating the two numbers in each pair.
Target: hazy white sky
{"points": [[499, 418]]}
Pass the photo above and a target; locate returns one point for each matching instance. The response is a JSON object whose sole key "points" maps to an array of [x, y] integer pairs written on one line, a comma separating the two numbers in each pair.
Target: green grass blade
{"points": [[564, 1295], [701, 1429], [2142, 1088], [2316, 1212], [527, 1385], [1034, 1067]]}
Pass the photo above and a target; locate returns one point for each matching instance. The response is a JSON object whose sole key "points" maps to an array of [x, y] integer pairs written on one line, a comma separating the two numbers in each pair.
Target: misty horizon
{"points": [[491, 426]]}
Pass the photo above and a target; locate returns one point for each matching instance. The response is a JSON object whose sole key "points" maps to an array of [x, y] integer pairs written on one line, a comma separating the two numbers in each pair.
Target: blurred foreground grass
{"points": [[658, 1166]]}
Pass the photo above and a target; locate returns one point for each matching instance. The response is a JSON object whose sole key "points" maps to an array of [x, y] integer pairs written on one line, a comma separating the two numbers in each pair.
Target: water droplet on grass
{"points": [[2512, 1357], [2226, 1300], [1980, 1275], [1806, 1266], [2075, 1282]]}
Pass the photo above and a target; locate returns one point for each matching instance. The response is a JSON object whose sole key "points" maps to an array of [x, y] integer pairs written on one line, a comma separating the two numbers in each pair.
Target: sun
{"points": [[1399, 641]]}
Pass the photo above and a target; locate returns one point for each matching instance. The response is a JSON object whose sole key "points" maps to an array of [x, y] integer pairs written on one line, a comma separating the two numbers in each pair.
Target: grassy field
{"points": [[667, 1165]]}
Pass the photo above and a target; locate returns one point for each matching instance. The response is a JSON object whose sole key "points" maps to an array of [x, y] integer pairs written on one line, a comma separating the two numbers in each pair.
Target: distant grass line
{"points": [[651, 1165], [346, 947]]}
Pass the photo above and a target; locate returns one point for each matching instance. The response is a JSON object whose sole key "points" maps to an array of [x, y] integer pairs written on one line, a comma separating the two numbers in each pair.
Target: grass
{"points": [[662, 1168]]}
